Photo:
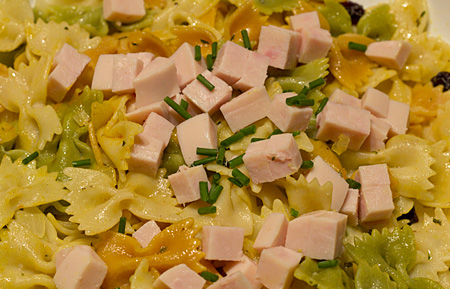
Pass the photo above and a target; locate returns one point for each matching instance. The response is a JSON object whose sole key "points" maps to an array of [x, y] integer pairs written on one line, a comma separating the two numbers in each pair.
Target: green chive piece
{"points": [[214, 50], [353, 184], [207, 210], [122, 223], [321, 105], [204, 161], [198, 53], [246, 39], [214, 193], [209, 62], [177, 107], [307, 165], [184, 104], [204, 196], [296, 133], [243, 179], [294, 213], [315, 83], [251, 129], [81, 163], [162, 249], [216, 178], [236, 161], [221, 156], [357, 46], [275, 132], [437, 221], [208, 276], [236, 182], [204, 41], [206, 152], [232, 139], [205, 82], [255, 139], [304, 102], [305, 90], [327, 264], [30, 157]]}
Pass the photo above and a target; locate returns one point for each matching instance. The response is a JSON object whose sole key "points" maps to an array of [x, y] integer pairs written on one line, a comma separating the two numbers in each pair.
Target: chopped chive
{"points": [[204, 161], [208, 276], [205, 82], [81, 163], [221, 156], [236, 161], [307, 165], [214, 50], [198, 53], [207, 210], [305, 90], [204, 41], [294, 213], [214, 193], [122, 223], [236, 182], [251, 129], [296, 133], [275, 132], [255, 139], [206, 152], [422, 14], [327, 264], [437, 221], [290, 101], [303, 102], [203, 186], [315, 83], [321, 105], [353, 184], [177, 107], [216, 178], [162, 249], [232, 139], [357, 46], [184, 104], [30, 157], [209, 62], [243, 179], [246, 40]]}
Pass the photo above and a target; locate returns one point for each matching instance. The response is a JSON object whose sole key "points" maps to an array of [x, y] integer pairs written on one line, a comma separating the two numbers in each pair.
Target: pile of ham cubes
{"points": [[367, 122]]}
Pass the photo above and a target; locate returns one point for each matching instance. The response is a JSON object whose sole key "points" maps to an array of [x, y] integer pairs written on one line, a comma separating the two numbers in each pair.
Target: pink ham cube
{"points": [[397, 117], [230, 61], [222, 243], [319, 234], [254, 72], [146, 156], [156, 126], [314, 44], [391, 53], [185, 183], [373, 175], [305, 20], [187, 67], [288, 118], [247, 267], [103, 74], [123, 11], [145, 234], [276, 267], [379, 130], [236, 280], [351, 207], [125, 70], [179, 277], [246, 108], [376, 102], [280, 45], [174, 117], [272, 232], [340, 96], [140, 115]]}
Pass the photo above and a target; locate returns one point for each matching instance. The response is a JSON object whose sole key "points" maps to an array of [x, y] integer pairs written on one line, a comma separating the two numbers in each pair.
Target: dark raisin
{"points": [[411, 216], [355, 10], [443, 78]]}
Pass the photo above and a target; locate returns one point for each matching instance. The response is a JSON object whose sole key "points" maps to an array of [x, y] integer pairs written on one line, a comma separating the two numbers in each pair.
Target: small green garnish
{"points": [[81, 163], [122, 223], [327, 264], [294, 213], [353, 184], [208, 276], [207, 210], [30, 157]]}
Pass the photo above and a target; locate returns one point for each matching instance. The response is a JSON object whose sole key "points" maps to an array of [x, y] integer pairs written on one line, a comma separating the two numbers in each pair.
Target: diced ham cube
{"points": [[271, 159], [206, 100], [373, 175], [185, 183], [222, 243], [246, 108], [375, 203], [179, 277], [319, 234], [323, 172], [378, 134], [376, 102], [272, 232], [305, 20], [397, 117], [125, 70], [187, 67], [156, 126], [276, 267], [140, 115], [81, 268], [61, 255], [340, 96], [254, 72], [145, 57], [198, 131], [230, 61], [247, 267], [314, 44], [69, 66], [146, 157], [123, 11], [351, 206], [237, 280], [280, 45], [103, 74], [146, 233], [337, 119], [391, 53], [156, 81], [288, 118], [174, 117]]}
